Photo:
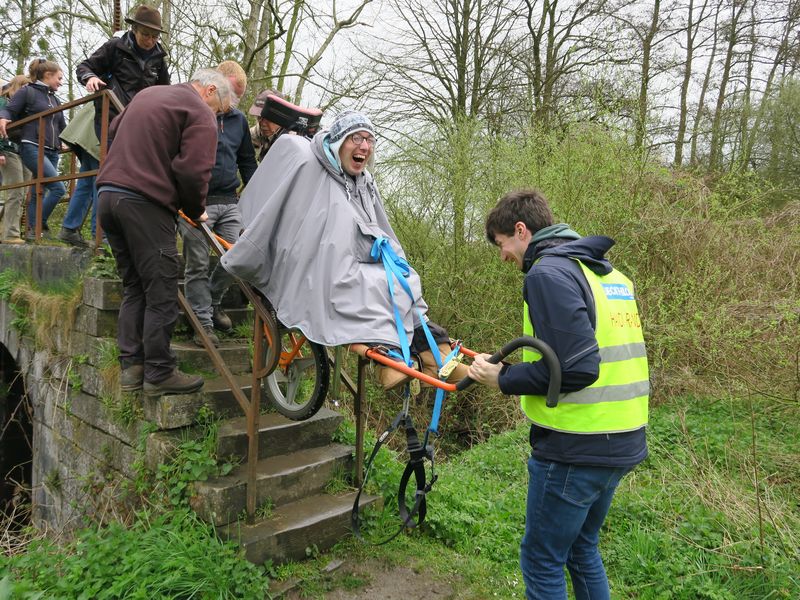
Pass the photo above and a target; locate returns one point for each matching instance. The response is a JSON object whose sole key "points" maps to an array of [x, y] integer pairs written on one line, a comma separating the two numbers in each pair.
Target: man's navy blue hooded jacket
{"points": [[561, 309], [235, 153]]}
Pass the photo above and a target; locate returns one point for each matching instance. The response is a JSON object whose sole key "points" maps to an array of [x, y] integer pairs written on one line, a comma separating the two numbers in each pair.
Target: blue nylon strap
{"points": [[398, 268], [440, 393]]}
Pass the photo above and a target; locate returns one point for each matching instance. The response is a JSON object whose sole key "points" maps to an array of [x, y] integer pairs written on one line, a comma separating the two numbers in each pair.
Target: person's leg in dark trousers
{"points": [[131, 312], [144, 233]]}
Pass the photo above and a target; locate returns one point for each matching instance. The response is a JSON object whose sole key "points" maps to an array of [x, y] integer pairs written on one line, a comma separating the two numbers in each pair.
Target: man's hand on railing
{"points": [[3, 123], [95, 84]]}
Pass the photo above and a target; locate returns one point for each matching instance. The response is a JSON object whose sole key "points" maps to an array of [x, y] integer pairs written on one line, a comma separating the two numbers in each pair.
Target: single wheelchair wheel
{"points": [[299, 384]]}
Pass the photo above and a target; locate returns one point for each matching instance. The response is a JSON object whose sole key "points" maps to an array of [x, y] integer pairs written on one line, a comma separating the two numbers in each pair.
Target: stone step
{"points": [[279, 480], [277, 435], [181, 410], [237, 315], [106, 294], [235, 353], [295, 530]]}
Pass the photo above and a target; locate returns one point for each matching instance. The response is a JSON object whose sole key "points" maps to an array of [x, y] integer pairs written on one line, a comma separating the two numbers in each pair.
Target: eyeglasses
{"points": [[358, 139], [150, 34]]}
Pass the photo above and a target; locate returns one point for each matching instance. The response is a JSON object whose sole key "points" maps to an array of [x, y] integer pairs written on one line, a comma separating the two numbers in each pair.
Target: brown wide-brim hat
{"points": [[146, 16]]}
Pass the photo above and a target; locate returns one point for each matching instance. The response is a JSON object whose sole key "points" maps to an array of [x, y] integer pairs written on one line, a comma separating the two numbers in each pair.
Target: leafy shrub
{"points": [[171, 555], [714, 268]]}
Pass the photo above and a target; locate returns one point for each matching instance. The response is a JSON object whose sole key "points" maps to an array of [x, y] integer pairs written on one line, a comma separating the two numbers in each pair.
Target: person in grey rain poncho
{"points": [[312, 214]]}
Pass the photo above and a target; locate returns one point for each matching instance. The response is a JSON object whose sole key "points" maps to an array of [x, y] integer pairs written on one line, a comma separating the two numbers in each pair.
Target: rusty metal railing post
{"points": [[37, 226], [254, 414], [358, 409]]}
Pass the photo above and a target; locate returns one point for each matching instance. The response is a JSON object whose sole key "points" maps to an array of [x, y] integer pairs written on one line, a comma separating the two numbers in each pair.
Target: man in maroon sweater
{"points": [[165, 144]]}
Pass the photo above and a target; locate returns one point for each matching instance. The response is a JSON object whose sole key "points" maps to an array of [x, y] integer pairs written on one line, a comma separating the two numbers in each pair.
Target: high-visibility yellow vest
{"points": [[617, 401]]}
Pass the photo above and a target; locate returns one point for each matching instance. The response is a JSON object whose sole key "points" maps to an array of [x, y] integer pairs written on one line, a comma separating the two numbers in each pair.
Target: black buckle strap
{"points": [[418, 452]]}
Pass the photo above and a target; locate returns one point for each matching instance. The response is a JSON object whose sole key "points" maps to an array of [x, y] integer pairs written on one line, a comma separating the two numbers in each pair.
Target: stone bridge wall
{"points": [[84, 447]]}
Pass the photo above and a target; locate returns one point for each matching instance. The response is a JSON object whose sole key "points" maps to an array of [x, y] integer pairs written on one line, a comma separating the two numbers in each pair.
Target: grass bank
{"points": [[712, 514]]}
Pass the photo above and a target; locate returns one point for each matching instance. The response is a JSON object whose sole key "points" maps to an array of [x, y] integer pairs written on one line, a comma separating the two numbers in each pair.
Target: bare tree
{"points": [[786, 15], [701, 106], [447, 58], [691, 31], [733, 35], [566, 39], [448, 64], [648, 33]]}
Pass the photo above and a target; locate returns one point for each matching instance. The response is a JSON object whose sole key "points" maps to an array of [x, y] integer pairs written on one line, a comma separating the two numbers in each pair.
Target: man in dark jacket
{"points": [[160, 162], [127, 64], [582, 307], [234, 153]]}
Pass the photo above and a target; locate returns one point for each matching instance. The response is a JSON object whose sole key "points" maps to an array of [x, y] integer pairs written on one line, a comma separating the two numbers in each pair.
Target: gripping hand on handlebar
{"points": [[482, 371]]}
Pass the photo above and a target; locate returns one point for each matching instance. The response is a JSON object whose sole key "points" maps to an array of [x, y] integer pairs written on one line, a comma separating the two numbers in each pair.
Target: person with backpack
{"points": [[79, 135], [39, 96], [12, 171]]}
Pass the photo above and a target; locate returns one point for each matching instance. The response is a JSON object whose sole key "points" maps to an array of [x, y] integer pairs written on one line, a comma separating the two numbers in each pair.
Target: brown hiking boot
{"points": [[429, 365], [177, 383], [387, 377], [212, 337], [131, 379], [221, 319]]}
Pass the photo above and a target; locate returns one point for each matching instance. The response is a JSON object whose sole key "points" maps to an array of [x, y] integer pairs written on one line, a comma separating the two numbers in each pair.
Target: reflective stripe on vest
{"points": [[617, 401]]}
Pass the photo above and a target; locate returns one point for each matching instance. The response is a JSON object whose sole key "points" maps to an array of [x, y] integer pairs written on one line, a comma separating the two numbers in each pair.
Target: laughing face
{"points": [[355, 152]]}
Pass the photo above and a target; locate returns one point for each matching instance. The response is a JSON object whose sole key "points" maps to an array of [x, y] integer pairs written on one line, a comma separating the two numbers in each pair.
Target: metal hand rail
{"points": [[264, 362], [107, 98]]}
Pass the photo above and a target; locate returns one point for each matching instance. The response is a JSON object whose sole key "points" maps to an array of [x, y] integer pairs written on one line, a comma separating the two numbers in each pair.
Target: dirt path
{"points": [[373, 580]]}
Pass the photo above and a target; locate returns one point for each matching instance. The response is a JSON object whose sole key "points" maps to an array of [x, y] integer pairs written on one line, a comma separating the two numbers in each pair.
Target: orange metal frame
{"points": [[379, 357]]}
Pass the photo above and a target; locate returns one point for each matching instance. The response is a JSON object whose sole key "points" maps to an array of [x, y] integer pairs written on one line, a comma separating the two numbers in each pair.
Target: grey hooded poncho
{"points": [[309, 229]]}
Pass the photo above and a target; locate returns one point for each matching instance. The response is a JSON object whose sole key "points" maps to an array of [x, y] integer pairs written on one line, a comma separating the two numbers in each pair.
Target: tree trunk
{"points": [[717, 139], [644, 84], [703, 90], [692, 28]]}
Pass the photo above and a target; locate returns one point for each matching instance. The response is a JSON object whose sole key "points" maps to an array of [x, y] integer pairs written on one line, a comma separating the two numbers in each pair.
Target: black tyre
{"points": [[298, 390]]}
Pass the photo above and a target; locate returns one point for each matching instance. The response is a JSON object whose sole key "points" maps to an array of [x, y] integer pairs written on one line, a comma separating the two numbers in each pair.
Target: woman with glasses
{"points": [[128, 64], [39, 96], [318, 244]]}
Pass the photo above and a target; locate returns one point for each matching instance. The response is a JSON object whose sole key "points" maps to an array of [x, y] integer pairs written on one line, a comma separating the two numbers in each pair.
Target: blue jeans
{"points": [[84, 193], [53, 191], [567, 505], [203, 291]]}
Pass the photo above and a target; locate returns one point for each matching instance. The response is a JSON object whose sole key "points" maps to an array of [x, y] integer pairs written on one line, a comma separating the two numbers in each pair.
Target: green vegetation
{"points": [[46, 311], [712, 514], [194, 459], [163, 555], [712, 259]]}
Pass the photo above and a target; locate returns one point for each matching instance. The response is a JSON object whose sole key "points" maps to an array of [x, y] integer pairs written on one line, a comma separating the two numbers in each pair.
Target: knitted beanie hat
{"points": [[346, 123]]}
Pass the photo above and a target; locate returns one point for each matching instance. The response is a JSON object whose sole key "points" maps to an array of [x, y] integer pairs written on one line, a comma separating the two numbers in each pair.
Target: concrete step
{"points": [[277, 435], [106, 294], [316, 522], [279, 480], [235, 353], [237, 315], [173, 411]]}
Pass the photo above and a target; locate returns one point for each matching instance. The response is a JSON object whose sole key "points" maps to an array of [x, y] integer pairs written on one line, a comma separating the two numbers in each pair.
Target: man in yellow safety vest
{"points": [[582, 307]]}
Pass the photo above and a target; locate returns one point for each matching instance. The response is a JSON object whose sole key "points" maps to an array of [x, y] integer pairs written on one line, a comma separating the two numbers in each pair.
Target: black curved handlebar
{"points": [[548, 355]]}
